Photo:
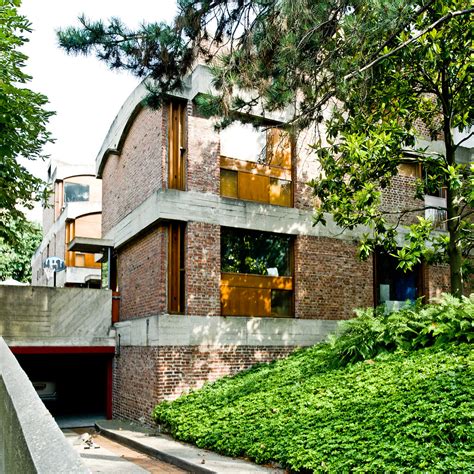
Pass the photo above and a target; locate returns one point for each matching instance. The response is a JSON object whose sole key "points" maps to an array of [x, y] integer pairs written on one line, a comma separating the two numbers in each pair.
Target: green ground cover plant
{"points": [[389, 393]]}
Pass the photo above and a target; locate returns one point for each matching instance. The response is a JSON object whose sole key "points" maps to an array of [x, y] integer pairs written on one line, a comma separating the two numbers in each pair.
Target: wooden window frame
{"points": [[248, 286], [176, 267], [177, 145]]}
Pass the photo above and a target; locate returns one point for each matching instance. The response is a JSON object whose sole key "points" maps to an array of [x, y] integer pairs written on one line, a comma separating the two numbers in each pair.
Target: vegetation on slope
{"points": [[389, 393]]}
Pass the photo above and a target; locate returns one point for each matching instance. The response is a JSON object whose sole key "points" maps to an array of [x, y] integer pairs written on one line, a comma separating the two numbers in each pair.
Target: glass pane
{"points": [[260, 253], [280, 192], [393, 283], [243, 142], [75, 192], [281, 302], [410, 170], [229, 183]]}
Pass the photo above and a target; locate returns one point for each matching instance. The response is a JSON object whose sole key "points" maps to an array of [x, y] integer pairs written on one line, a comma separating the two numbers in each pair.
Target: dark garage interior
{"points": [[71, 384]]}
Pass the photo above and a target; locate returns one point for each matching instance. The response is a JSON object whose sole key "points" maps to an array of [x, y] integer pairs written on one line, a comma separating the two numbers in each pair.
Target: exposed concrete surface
{"points": [[100, 459], [172, 204], [37, 315], [30, 440], [176, 330], [101, 454], [183, 455]]}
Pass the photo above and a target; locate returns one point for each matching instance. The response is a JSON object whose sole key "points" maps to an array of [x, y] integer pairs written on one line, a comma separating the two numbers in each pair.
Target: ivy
{"points": [[390, 393]]}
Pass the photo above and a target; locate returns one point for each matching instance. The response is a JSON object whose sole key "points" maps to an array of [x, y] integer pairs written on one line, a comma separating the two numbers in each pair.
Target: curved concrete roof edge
{"points": [[198, 81]]}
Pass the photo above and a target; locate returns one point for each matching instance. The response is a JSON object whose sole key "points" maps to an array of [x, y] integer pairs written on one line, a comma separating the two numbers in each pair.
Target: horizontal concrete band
{"points": [[101, 344], [175, 330], [171, 204], [31, 440]]}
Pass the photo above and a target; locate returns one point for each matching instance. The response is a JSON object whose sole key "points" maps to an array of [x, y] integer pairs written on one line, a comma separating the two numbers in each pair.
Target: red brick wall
{"points": [[307, 168], [436, 280], [399, 196], [329, 280], [203, 269], [131, 177], [203, 167], [143, 376], [142, 274]]}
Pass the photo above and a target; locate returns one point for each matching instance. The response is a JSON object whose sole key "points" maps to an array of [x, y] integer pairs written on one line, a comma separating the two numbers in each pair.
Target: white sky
{"points": [[85, 95]]}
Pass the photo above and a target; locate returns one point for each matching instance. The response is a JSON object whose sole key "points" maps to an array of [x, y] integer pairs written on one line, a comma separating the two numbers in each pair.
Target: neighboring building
{"points": [[214, 253], [73, 210]]}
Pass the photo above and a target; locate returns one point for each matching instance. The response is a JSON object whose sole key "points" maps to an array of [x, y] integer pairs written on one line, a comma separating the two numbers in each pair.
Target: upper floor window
{"points": [[256, 164], [76, 192]]}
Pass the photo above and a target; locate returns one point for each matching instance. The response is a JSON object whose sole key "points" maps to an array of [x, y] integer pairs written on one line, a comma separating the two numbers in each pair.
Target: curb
{"points": [[156, 453]]}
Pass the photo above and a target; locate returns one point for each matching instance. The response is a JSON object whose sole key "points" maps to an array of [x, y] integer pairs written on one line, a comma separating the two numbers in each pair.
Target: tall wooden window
{"points": [[176, 270], [256, 278], [176, 145]]}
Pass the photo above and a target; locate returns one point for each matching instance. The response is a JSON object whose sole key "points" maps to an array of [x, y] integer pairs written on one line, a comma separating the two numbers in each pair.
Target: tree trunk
{"points": [[454, 250], [453, 211], [455, 265]]}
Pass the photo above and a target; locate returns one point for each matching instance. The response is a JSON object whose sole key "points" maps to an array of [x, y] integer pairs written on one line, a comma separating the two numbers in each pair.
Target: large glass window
{"points": [[256, 277], [259, 253], [75, 192], [244, 142], [256, 164]]}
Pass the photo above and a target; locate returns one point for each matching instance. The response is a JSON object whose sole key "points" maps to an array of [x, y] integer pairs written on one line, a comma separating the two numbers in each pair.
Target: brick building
{"points": [[74, 209], [214, 253]]}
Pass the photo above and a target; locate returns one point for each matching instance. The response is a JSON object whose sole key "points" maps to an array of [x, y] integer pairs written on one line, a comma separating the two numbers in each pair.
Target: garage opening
{"points": [[74, 386]]}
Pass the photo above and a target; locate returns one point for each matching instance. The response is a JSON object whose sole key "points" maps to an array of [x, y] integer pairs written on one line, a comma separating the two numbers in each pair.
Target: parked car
{"points": [[46, 391]]}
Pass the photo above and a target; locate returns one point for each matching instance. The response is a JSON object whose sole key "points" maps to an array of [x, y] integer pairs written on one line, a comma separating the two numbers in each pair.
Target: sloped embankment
{"points": [[408, 408]]}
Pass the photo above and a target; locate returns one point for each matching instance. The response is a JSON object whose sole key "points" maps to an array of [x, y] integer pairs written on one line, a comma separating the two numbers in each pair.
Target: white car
{"points": [[46, 390]]}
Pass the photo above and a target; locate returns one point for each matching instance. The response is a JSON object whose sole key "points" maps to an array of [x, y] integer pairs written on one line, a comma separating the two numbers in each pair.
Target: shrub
{"points": [[413, 327]]}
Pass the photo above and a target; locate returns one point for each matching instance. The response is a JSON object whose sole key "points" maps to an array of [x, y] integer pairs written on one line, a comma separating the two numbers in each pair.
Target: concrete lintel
{"points": [[175, 330], [60, 342]]}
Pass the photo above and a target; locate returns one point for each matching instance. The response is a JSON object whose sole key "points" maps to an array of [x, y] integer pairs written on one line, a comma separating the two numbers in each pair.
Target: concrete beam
{"points": [[171, 204], [89, 245], [36, 315]]}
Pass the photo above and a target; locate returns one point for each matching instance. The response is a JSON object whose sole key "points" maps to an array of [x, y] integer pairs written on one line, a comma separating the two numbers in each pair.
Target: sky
{"points": [[85, 95]]}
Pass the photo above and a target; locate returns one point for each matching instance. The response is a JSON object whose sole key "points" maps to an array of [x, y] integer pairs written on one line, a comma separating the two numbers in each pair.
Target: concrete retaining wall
{"points": [[36, 315], [219, 331], [30, 440]]}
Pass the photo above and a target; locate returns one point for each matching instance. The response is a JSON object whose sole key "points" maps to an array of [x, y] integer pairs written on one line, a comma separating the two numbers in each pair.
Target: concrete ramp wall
{"points": [[30, 440], [36, 315]]}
